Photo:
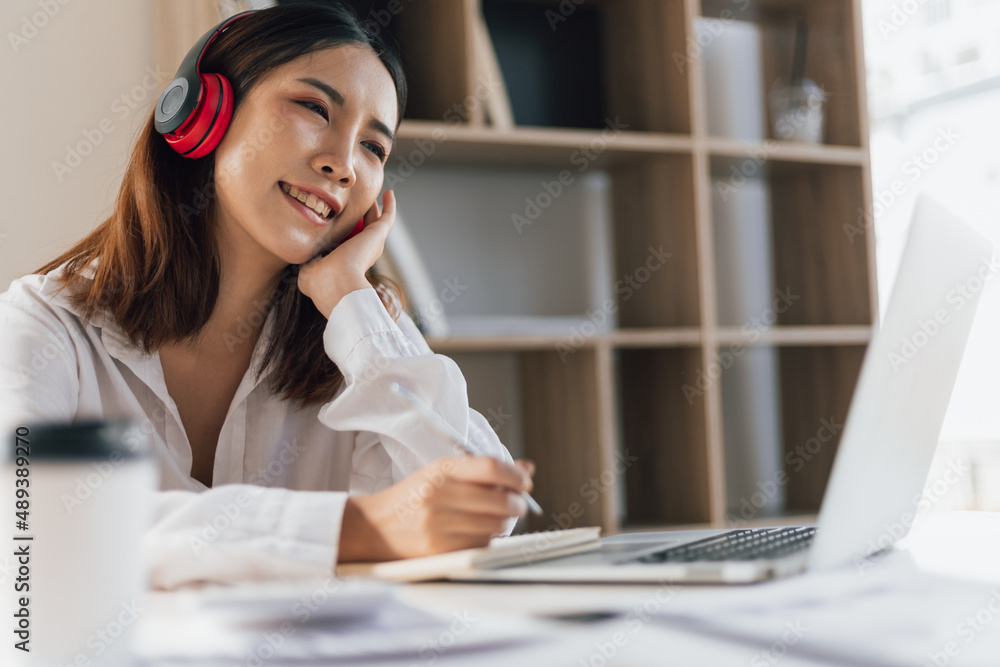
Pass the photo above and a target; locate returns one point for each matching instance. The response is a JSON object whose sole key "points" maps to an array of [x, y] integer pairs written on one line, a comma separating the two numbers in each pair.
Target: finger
{"points": [[388, 209], [388, 205], [488, 470], [482, 499], [528, 467]]}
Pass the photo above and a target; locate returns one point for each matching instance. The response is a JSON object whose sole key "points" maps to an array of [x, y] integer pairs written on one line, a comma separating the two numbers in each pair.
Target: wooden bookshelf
{"points": [[661, 170], [622, 391]]}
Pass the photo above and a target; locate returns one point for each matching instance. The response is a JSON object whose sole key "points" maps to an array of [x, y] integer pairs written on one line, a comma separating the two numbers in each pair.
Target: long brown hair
{"points": [[158, 270]]}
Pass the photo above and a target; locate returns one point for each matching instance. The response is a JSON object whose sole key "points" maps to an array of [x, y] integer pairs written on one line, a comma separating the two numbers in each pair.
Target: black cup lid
{"points": [[80, 440]]}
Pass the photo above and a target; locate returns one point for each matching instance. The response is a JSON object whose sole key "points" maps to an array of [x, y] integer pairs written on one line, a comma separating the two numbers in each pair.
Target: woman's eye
{"points": [[313, 106], [378, 150], [321, 110]]}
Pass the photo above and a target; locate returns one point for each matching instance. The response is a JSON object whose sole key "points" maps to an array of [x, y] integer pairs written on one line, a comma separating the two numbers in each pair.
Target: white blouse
{"points": [[288, 471]]}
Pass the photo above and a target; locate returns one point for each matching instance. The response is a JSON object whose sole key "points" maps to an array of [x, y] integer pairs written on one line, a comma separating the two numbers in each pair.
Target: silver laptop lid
{"points": [[906, 381]]}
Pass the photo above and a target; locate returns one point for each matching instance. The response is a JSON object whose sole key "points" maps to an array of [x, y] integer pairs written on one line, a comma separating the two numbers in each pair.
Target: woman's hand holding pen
{"points": [[451, 503], [326, 279]]}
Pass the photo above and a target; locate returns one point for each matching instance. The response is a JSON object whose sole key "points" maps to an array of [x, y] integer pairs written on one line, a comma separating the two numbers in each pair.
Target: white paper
{"points": [[888, 614], [170, 630]]}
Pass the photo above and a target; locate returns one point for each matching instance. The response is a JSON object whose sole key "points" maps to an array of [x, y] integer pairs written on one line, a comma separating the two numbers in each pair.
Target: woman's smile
{"points": [[313, 208]]}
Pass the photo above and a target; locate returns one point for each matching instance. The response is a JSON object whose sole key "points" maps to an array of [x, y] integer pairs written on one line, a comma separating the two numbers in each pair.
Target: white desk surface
{"points": [[963, 546]]}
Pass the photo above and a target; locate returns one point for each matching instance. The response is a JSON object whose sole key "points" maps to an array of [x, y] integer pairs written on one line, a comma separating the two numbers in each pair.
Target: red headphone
{"points": [[195, 109]]}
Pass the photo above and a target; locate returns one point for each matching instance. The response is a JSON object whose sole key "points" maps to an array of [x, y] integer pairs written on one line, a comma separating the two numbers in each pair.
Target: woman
{"points": [[205, 310]]}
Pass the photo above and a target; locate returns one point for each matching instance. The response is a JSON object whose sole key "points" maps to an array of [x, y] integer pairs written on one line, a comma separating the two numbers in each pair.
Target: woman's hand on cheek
{"points": [[327, 279]]}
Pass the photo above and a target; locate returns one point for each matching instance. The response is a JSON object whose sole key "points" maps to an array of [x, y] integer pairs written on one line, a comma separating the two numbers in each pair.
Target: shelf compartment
{"points": [[622, 61], [544, 406], [434, 46], [666, 431], [487, 240], [832, 55], [551, 63], [750, 386], [817, 384], [562, 434], [811, 208], [819, 274], [783, 410], [434, 143], [653, 208], [645, 87], [493, 381]]}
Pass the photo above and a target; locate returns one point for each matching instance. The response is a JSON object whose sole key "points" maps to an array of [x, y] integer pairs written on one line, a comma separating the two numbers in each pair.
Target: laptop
{"points": [[885, 452]]}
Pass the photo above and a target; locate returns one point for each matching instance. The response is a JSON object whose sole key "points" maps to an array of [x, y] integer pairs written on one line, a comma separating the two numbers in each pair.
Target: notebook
{"points": [[502, 551]]}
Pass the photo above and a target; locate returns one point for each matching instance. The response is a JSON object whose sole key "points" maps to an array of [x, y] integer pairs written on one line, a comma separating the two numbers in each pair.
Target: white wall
{"points": [[76, 73]]}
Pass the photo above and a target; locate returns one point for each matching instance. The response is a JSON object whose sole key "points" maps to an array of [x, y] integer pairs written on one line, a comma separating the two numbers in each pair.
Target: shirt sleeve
{"points": [[39, 380], [393, 440], [240, 532], [223, 534]]}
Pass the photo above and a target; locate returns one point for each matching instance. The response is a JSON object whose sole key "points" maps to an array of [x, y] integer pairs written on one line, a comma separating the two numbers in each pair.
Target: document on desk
{"points": [[502, 551], [308, 621], [886, 613]]}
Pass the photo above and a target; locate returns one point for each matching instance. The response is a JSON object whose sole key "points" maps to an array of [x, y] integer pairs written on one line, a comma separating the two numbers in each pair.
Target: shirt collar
{"points": [[145, 366]]}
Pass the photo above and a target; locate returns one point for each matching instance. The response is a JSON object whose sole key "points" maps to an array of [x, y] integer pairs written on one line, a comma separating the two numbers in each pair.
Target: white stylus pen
{"points": [[446, 429]]}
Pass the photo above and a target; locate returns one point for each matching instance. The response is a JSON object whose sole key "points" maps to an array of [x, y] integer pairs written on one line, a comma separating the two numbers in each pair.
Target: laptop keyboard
{"points": [[747, 544]]}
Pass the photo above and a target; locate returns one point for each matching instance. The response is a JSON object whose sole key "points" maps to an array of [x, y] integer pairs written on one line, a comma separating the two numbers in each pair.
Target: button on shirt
{"points": [[288, 470]]}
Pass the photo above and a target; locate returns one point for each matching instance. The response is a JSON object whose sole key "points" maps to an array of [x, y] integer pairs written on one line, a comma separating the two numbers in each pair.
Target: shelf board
{"points": [[667, 337], [797, 335], [491, 343], [658, 338], [445, 143], [537, 146], [787, 151]]}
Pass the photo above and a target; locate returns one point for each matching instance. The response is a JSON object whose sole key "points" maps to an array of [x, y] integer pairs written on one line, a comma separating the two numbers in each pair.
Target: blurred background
{"points": [[933, 68], [78, 83]]}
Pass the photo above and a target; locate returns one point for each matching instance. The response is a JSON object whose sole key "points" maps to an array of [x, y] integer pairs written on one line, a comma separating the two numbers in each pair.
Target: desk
{"points": [[963, 546]]}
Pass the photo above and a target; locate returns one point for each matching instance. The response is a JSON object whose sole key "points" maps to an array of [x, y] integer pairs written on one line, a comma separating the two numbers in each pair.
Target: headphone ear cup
{"points": [[208, 122]]}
